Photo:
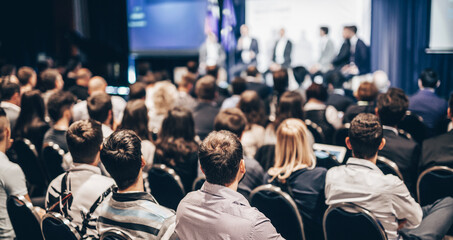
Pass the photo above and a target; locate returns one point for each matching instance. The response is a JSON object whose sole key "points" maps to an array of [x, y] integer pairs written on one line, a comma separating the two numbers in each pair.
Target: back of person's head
{"points": [[31, 113], [365, 135], [335, 78], [392, 106], [136, 118], [280, 80], [192, 67], [137, 91], [178, 123], [252, 71], [84, 140], [231, 119], [239, 85], [367, 91], [317, 91], [143, 68], [4, 125], [99, 105], [381, 80], [253, 107], [289, 106], [84, 74], [187, 81], [164, 97], [220, 154], [8, 69], [429, 78], [97, 84], [8, 90], [352, 28], [212, 71], [205, 88], [49, 79], [325, 30], [299, 74], [58, 103], [25, 74], [121, 155]]}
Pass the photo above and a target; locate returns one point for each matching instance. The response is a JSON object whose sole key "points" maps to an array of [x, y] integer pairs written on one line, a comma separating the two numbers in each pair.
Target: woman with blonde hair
{"points": [[295, 172]]}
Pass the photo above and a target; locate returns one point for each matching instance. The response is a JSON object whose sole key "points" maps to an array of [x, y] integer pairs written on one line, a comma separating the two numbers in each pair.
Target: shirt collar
{"points": [[391, 129], [85, 167], [339, 91], [222, 191], [353, 40], [131, 196], [428, 90], [362, 162], [10, 105], [363, 103]]}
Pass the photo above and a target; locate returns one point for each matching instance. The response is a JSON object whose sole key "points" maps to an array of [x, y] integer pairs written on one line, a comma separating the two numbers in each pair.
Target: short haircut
{"points": [[212, 71], [58, 103], [187, 80], [252, 71], [299, 74], [84, 140], [99, 105], [392, 106], [367, 91], [220, 154], [335, 78], [121, 155], [280, 80], [7, 69], [325, 30], [352, 28], [205, 88], [4, 124], [289, 106], [365, 135], [253, 107], [239, 85], [24, 74], [192, 67], [317, 91], [8, 89], [49, 78], [429, 78], [137, 91], [231, 119]]}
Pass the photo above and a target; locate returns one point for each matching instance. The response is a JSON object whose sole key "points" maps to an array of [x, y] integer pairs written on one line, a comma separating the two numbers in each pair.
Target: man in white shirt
{"points": [[100, 109], [361, 182], [282, 50], [11, 101], [246, 51]]}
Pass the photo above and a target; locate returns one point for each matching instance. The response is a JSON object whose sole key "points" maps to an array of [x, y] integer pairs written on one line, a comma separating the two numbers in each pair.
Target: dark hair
{"points": [[192, 67], [49, 78], [212, 71], [239, 85], [31, 113], [187, 79], [253, 107], [205, 88], [8, 89], [392, 106], [289, 106], [299, 74], [280, 80], [352, 28], [365, 135], [84, 140], [220, 155], [58, 103], [335, 78], [252, 71], [367, 91], [143, 68], [4, 123], [429, 78], [450, 103], [24, 74], [231, 119], [121, 155], [325, 30], [137, 91], [136, 118], [7, 69], [317, 91], [99, 105]]}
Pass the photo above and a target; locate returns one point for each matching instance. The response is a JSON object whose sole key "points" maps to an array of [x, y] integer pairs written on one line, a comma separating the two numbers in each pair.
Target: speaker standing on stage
{"points": [[282, 50]]}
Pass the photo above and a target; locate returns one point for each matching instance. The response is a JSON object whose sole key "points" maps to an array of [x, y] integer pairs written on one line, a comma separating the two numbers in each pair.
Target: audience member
{"points": [[131, 209], [51, 82], [255, 82], [295, 172], [10, 93], [362, 183], [80, 89], [366, 96], [280, 86], [339, 97], [100, 109], [27, 79], [206, 109], [137, 91], [238, 86], [217, 209], [381, 80], [7, 69], [184, 89], [84, 180], [164, 98]]}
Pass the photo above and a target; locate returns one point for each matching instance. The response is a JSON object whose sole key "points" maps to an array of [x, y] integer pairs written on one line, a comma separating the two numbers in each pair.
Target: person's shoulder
{"points": [[11, 169], [439, 140]]}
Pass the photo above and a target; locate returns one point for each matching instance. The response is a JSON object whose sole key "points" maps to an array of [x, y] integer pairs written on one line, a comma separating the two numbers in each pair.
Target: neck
{"points": [[3, 146], [314, 100], [233, 186], [136, 187], [372, 159], [205, 100], [61, 124], [183, 89]]}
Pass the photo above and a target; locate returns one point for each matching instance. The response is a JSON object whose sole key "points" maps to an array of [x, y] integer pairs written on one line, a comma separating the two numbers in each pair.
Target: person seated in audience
{"points": [[27, 79], [233, 120], [51, 82], [238, 85], [59, 108], [100, 109], [7, 70], [137, 91], [255, 82], [184, 89], [438, 151], [176, 146], [31, 123], [136, 118], [206, 109], [164, 99], [381, 81], [84, 179], [95, 85], [131, 209], [10, 94], [339, 97], [296, 173], [80, 89], [280, 86], [366, 95], [217, 210], [425, 102], [362, 183], [391, 108], [253, 108]]}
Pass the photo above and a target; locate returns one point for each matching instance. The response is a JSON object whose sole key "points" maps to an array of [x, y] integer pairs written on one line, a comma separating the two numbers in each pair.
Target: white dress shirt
{"points": [[280, 50], [245, 47], [361, 182], [353, 42]]}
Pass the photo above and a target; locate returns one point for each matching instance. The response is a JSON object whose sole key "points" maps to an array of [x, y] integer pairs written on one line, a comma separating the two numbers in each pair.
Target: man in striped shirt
{"points": [[131, 210]]}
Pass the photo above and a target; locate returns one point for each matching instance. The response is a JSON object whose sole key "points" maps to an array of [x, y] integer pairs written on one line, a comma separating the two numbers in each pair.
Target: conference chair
{"points": [[347, 221], [114, 234], [281, 209], [25, 220], [198, 183], [165, 185], [56, 227], [52, 157], [434, 183], [413, 124], [316, 131], [388, 167]]}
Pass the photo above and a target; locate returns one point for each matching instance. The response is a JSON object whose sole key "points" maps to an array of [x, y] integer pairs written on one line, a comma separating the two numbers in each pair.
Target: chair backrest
{"points": [[114, 234], [52, 157], [198, 183], [414, 125], [25, 220], [165, 185], [316, 131], [281, 209], [388, 167], [55, 227], [434, 183], [347, 221]]}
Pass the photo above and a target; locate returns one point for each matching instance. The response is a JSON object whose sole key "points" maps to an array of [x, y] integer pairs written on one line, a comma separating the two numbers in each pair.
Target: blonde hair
{"points": [[293, 150], [164, 97]]}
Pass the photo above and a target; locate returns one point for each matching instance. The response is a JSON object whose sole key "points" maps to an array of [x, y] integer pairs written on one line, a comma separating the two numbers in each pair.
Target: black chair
{"points": [[198, 183], [25, 220], [340, 136], [114, 234], [325, 159], [52, 157], [347, 221], [55, 227], [165, 185], [434, 183], [388, 167], [413, 124], [265, 156], [316, 131], [281, 209]]}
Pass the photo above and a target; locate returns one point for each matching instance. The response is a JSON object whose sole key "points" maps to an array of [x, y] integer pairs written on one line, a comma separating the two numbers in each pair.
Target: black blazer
{"points": [[287, 53], [204, 114], [437, 151], [361, 56], [340, 102], [253, 47]]}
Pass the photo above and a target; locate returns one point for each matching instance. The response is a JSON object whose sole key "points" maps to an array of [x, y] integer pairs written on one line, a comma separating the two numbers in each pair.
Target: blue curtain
{"points": [[399, 37]]}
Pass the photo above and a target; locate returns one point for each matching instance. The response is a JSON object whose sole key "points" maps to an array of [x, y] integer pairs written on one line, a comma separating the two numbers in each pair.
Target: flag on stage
{"points": [[228, 38], [212, 17]]}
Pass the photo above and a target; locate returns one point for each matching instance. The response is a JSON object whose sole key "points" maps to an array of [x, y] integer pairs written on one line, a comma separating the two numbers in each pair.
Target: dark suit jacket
{"points": [[361, 56], [253, 47], [405, 153], [429, 106], [287, 54], [343, 56], [262, 89], [340, 102], [204, 114], [437, 151]]}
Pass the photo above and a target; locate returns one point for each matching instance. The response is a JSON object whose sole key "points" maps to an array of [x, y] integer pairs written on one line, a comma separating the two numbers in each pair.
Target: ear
{"points": [[438, 83], [348, 143], [143, 162], [202, 170], [242, 166], [420, 85], [449, 113], [376, 111], [381, 146]]}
